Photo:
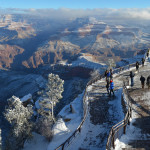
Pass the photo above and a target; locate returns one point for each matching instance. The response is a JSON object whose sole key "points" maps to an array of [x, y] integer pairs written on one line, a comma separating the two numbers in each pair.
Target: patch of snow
{"points": [[131, 133], [126, 61], [26, 97], [37, 105], [59, 129], [88, 62], [79, 141], [62, 130], [40, 81], [38, 143]]}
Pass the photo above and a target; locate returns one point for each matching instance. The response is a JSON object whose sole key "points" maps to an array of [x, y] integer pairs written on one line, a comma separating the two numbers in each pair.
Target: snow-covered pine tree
{"points": [[94, 74], [111, 63], [53, 93], [19, 118]]}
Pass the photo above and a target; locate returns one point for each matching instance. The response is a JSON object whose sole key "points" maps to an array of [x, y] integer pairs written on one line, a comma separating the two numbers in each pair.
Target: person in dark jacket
{"points": [[108, 75], [143, 61], [132, 78], [107, 86], [147, 53], [142, 79], [148, 82], [137, 66], [111, 74], [111, 87]]}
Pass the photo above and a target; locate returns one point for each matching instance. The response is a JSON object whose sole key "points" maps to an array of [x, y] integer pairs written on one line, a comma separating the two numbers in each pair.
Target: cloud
{"points": [[66, 13]]}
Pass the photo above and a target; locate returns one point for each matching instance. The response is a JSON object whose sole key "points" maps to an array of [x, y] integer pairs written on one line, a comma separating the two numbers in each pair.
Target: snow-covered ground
{"points": [[87, 61], [62, 130], [66, 124], [126, 61], [69, 121], [26, 97], [133, 132], [93, 137]]}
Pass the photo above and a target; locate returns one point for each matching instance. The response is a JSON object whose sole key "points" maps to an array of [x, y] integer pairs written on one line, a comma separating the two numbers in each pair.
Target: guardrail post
{"points": [[129, 118], [130, 112], [113, 139], [80, 129], [124, 129], [63, 147]]}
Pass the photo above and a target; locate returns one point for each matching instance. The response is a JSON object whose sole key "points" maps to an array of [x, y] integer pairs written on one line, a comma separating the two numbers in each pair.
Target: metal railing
{"points": [[120, 128], [78, 130], [112, 135]]}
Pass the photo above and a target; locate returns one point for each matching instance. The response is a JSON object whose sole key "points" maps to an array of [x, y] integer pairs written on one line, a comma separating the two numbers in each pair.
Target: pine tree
{"points": [[111, 63], [19, 118], [52, 95], [94, 74]]}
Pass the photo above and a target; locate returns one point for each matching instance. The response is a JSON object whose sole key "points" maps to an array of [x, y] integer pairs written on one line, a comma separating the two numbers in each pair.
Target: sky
{"points": [[74, 4]]}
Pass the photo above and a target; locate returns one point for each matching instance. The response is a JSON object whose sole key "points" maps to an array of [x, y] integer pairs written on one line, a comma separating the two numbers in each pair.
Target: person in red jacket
{"points": [[111, 87]]}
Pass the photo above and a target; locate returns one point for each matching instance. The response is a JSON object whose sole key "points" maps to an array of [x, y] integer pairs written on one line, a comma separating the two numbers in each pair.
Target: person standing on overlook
{"points": [[111, 87], [108, 76], [137, 66], [142, 79], [107, 86], [132, 78], [111, 74], [143, 61], [148, 82], [147, 53]]}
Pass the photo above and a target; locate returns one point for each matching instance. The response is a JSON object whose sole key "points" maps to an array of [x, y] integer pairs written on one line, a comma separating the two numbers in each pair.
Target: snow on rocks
{"points": [[40, 81], [67, 123], [37, 105], [131, 134], [26, 98], [126, 61], [38, 143], [88, 62], [91, 135], [138, 130]]}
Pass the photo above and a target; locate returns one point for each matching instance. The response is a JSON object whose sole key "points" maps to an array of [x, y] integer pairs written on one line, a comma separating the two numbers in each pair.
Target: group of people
{"points": [[137, 64], [109, 81], [142, 79]]}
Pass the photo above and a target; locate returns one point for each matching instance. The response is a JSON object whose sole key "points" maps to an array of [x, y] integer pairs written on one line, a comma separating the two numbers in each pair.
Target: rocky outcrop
{"points": [[7, 55], [13, 27], [49, 43], [52, 52]]}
